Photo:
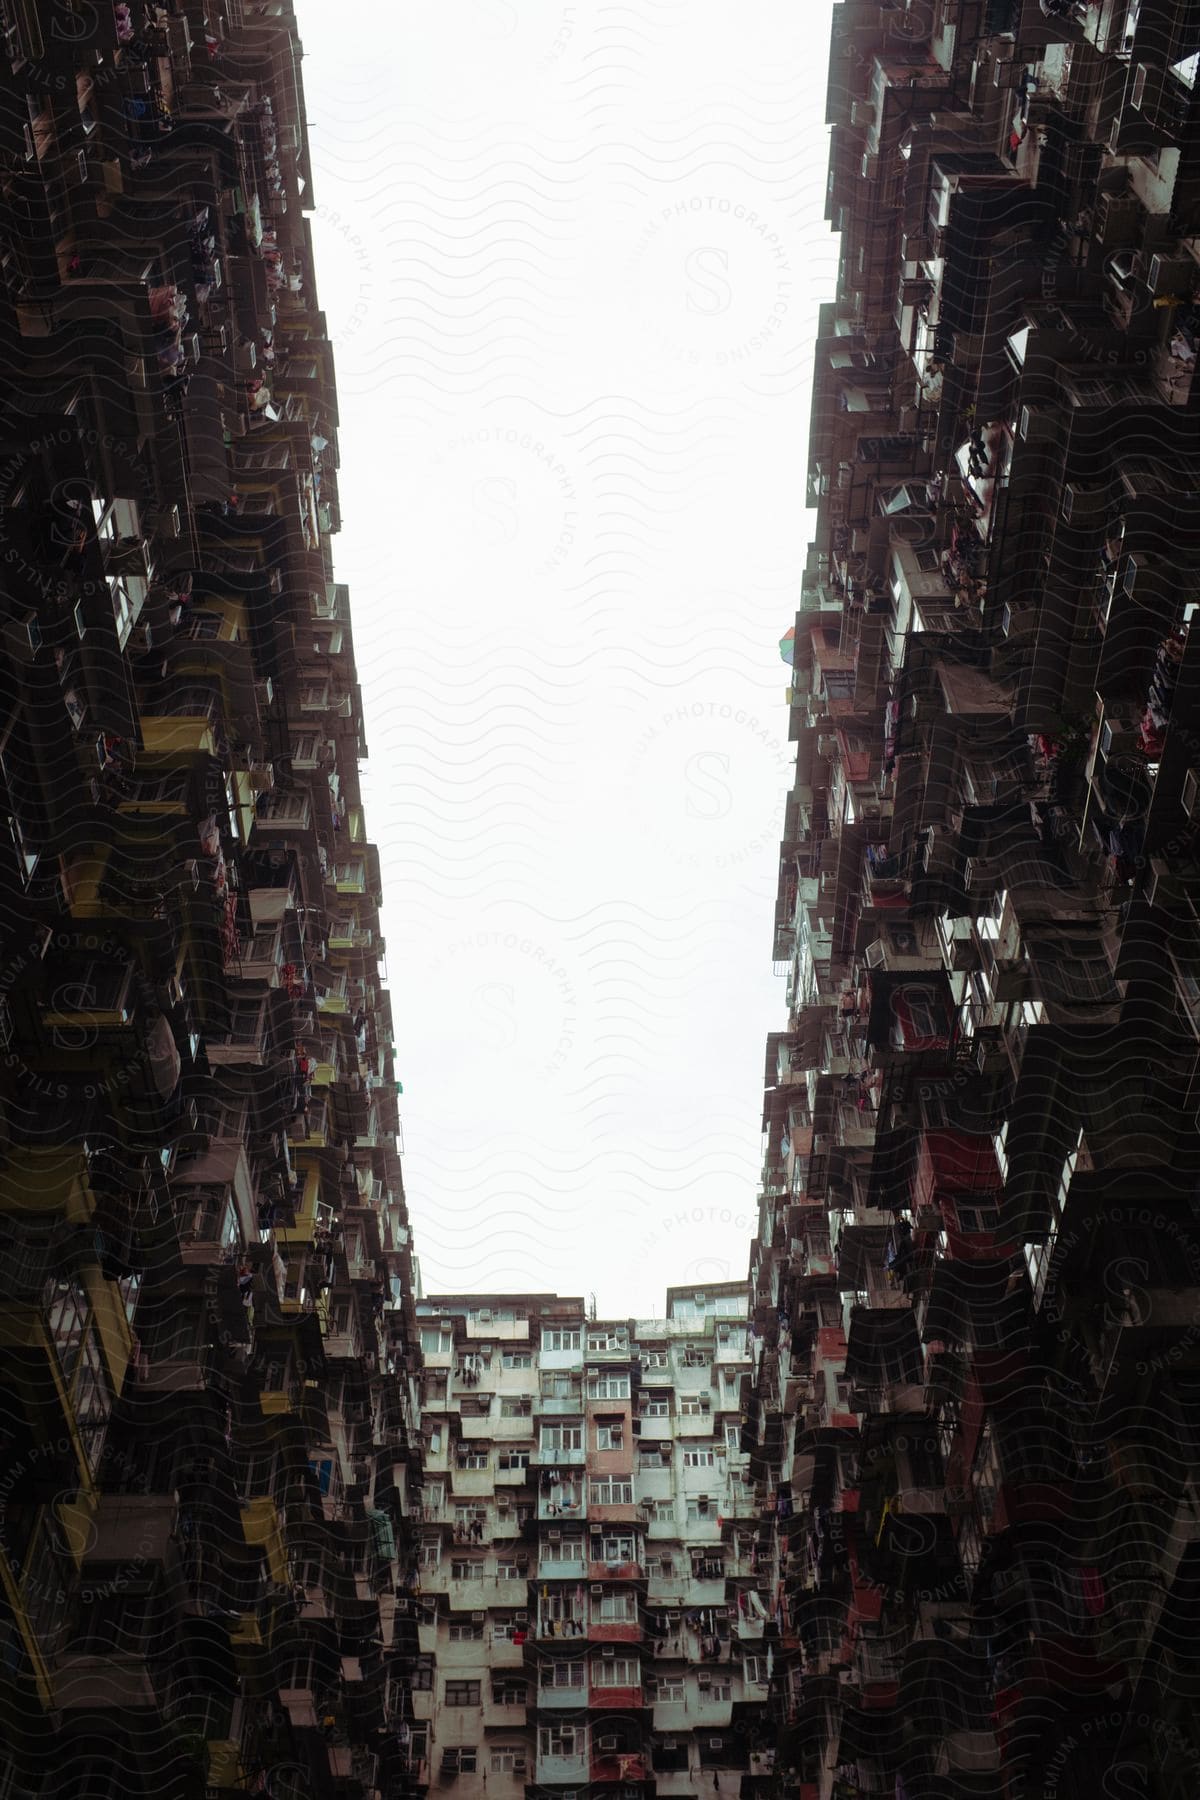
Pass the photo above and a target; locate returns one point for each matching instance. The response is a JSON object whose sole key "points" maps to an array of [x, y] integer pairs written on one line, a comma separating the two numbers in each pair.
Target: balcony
{"points": [[620, 1766], [562, 1699], [560, 1770]]}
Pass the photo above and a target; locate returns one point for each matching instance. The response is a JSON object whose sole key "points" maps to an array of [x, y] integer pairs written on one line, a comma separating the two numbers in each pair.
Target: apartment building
{"points": [[596, 1600], [209, 1416], [975, 1295]]}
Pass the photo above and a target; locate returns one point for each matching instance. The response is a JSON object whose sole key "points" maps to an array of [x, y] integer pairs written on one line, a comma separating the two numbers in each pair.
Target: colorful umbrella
{"points": [[787, 645]]}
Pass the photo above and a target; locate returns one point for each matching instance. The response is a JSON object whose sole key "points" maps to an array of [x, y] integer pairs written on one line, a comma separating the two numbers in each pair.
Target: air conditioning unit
{"points": [[478, 1618], [608, 1743], [1137, 91], [609, 1650], [554, 1537], [862, 112], [1035, 425], [484, 1315], [870, 166], [597, 1587], [521, 1618], [716, 1743], [1118, 733], [1166, 273], [1083, 505], [1191, 792]]}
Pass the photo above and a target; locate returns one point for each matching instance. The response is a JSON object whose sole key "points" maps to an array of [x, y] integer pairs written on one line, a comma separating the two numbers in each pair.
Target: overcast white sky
{"points": [[571, 259]]}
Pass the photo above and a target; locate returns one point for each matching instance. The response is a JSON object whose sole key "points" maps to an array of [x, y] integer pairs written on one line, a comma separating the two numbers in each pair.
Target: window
{"points": [[512, 1408], [517, 1359], [616, 1671], [509, 1571], [757, 1671], [608, 1387], [560, 1740], [508, 1761], [715, 1688], [555, 1338], [509, 1690], [733, 1437], [562, 1675], [617, 1548], [462, 1693], [699, 1509], [568, 1549], [619, 1608], [973, 1219], [669, 1687], [465, 1569], [471, 1459], [699, 1459], [503, 1627], [657, 1408], [654, 1359], [664, 1511], [314, 695], [601, 1343], [430, 1553], [513, 1459], [435, 1341], [612, 1493], [609, 1437], [468, 1633], [460, 1761], [558, 1385], [562, 1437]]}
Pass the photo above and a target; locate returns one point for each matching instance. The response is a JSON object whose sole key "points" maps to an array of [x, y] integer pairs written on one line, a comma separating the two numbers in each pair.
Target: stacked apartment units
{"points": [[595, 1599], [975, 1403], [209, 1437]]}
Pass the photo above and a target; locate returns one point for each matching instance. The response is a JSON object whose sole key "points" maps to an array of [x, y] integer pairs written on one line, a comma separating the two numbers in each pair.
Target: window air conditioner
{"points": [[521, 1618], [1191, 792], [484, 1315], [608, 1743], [478, 1618], [597, 1587], [716, 1743], [553, 1537], [609, 1650]]}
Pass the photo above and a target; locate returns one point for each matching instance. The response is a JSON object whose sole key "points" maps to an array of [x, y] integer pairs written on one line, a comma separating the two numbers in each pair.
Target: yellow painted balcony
{"points": [[225, 1764], [173, 738], [262, 1527], [47, 1181]]}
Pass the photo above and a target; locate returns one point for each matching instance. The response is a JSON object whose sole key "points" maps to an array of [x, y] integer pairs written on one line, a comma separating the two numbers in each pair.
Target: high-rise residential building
{"points": [[596, 1600], [209, 1428], [976, 1290]]}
